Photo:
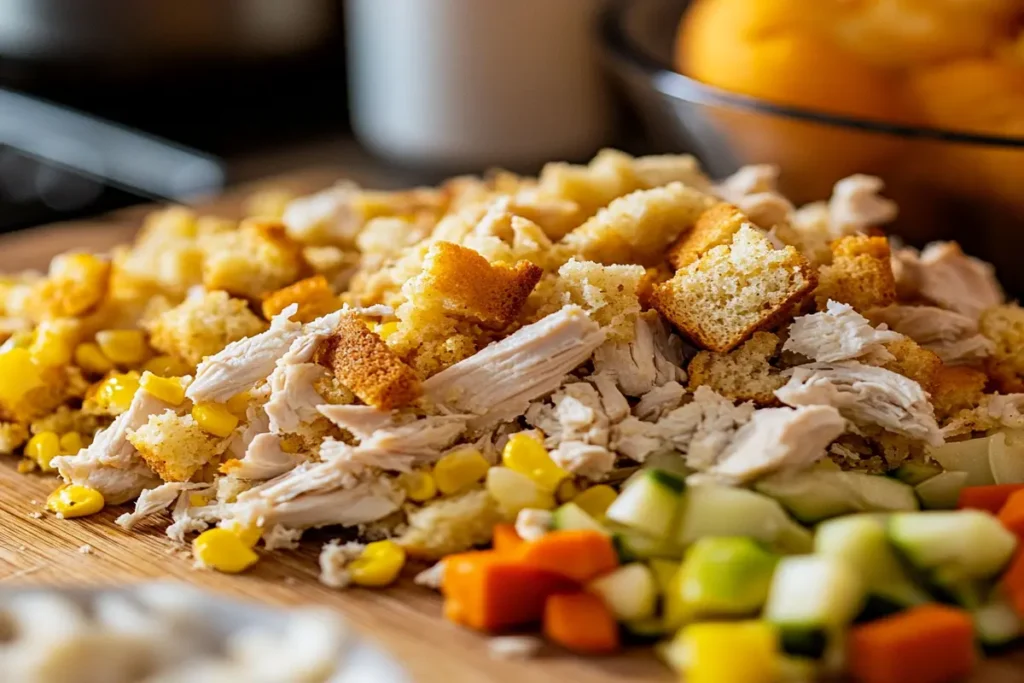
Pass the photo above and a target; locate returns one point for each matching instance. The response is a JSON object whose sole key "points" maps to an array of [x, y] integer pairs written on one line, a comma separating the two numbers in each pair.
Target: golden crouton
{"points": [[75, 285], [466, 286], [313, 295], [914, 361], [450, 525], [1004, 325], [662, 169], [715, 226], [956, 388], [608, 293], [257, 258], [363, 362], [745, 374], [653, 276], [732, 291], [860, 274], [610, 174], [199, 327], [638, 227], [174, 446]]}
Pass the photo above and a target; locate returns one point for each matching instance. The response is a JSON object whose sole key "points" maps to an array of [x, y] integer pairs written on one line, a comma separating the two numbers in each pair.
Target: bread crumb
{"points": [[860, 274], [745, 374], [514, 647], [202, 326], [86, 549]]}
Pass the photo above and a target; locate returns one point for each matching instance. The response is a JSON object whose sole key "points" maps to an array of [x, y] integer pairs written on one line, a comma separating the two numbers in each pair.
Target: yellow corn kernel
{"points": [[18, 375], [117, 391], [79, 282], [385, 330], [728, 652], [250, 535], [166, 366], [22, 339], [596, 500], [74, 500], [526, 455], [566, 491], [198, 500], [214, 418], [53, 344], [378, 565], [515, 491], [459, 470], [419, 486], [124, 347], [42, 448], [224, 551], [167, 389], [26, 465], [238, 404], [90, 358], [71, 443]]}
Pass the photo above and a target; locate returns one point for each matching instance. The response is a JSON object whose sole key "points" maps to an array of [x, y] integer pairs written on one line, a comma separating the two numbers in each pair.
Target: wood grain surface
{"points": [[36, 548]]}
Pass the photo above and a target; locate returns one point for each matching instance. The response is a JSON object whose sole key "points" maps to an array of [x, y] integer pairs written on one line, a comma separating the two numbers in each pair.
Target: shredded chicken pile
{"points": [[372, 334]]}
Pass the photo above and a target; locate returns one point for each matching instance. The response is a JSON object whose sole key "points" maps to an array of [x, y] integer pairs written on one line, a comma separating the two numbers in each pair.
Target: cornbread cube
{"points": [[1004, 325], [608, 293], [257, 258], [957, 388], [199, 327], [65, 419], [638, 227], [466, 286], [610, 174], [12, 436], [450, 525], [313, 295], [174, 446], [914, 361], [745, 374], [715, 226], [76, 284], [860, 274], [732, 291], [363, 362], [387, 236], [662, 169]]}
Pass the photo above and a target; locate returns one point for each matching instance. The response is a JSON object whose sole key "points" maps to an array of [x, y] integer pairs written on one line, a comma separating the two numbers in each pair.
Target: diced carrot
{"points": [[580, 554], [1013, 583], [991, 498], [489, 591], [1012, 514], [580, 622], [926, 644], [506, 540]]}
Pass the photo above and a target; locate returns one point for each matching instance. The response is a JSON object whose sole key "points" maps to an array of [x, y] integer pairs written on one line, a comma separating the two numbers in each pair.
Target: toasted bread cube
{"points": [[860, 274], [313, 295], [610, 174], [257, 258], [732, 291], [174, 446], [199, 327], [1004, 325], [468, 287], [638, 227], [957, 388], [745, 374], [608, 293], [362, 362], [914, 361], [715, 226]]}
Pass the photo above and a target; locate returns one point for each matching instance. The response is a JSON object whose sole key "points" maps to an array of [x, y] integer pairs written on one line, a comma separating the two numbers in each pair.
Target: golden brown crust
{"points": [[715, 226], [175, 447], [914, 361], [313, 295], [956, 388], [742, 375], [860, 274], [361, 361], [470, 288]]}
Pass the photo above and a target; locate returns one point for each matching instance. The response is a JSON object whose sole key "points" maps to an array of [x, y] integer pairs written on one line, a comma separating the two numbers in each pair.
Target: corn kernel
{"points": [[53, 344], [459, 470], [124, 347], [566, 491], [596, 500], [214, 418], [515, 491], [419, 486], [379, 564], [79, 280], [90, 358], [71, 443], [387, 329], [526, 455], [117, 391], [18, 375], [26, 465], [167, 389], [74, 500], [198, 500], [166, 366], [224, 551], [42, 448], [250, 535], [728, 652], [238, 404], [22, 339]]}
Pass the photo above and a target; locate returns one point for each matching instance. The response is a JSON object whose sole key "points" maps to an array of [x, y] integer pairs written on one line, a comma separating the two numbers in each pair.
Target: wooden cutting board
{"points": [[36, 548]]}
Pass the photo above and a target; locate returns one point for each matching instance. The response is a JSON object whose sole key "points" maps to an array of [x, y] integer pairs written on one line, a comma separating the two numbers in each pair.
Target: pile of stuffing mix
{"points": [[493, 359]]}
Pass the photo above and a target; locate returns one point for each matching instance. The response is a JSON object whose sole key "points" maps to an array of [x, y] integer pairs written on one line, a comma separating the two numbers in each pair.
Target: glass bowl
{"points": [[949, 185]]}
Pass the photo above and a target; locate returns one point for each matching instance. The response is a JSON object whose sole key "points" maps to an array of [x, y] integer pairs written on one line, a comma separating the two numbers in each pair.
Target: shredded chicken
{"points": [[660, 400], [360, 421], [615, 405], [865, 395], [498, 382], [995, 411], [776, 440], [431, 577], [155, 500], [514, 647], [584, 459], [265, 459], [280, 537], [651, 359], [316, 506], [953, 337], [946, 276], [531, 523], [754, 190], [293, 395], [839, 333], [856, 205], [256, 422], [398, 448], [333, 558], [326, 216]]}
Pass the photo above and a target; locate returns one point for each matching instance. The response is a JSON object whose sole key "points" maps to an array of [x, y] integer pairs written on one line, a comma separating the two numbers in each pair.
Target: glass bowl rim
{"points": [[681, 87]]}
